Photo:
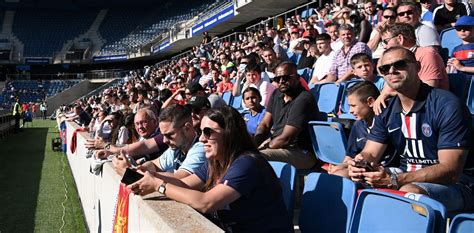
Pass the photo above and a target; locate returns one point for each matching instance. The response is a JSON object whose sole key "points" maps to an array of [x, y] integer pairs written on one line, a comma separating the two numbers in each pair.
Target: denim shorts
{"points": [[455, 197]]}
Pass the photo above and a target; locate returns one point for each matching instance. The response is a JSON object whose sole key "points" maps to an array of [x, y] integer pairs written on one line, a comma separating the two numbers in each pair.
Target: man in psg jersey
{"points": [[431, 132]]}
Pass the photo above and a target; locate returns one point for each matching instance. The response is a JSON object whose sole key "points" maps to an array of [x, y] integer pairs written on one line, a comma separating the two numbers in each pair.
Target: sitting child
{"points": [[462, 57], [252, 99], [361, 97]]}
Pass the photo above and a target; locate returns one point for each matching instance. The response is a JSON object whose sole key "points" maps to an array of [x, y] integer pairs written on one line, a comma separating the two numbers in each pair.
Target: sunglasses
{"points": [[463, 28], [207, 132], [390, 16], [409, 12], [283, 78], [385, 42], [398, 65]]}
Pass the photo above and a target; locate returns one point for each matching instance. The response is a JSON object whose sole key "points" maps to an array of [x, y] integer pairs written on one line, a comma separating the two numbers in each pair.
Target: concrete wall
{"points": [[151, 213], [70, 95]]}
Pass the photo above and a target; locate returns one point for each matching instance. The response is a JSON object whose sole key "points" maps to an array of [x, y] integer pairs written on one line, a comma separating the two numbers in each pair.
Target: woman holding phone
{"points": [[236, 187]]}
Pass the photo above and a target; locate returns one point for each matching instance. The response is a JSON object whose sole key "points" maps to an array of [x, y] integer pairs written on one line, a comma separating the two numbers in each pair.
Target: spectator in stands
{"points": [[289, 110], [270, 61], [426, 10], [389, 15], [199, 106], [235, 181], [432, 70], [309, 54], [212, 83], [361, 97], [112, 100], [323, 63], [226, 63], [276, 45], [252, 99], [147, 128], [97, 117], [193, 75], [434, 152], [363, 68], [226, 84], [340, 69], [254, 78], [371, 14], [462, 57], [185, 153], [333, 30], [408, 12], [445, 15], [80, 116], [361, 26]]}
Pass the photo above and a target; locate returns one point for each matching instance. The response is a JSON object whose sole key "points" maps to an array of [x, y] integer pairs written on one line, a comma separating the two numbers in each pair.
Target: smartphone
{"points": [[130, 176], [131, 160], [364, 164]]}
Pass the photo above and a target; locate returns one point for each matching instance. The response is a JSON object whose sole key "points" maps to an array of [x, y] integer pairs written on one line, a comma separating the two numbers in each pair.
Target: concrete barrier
{"points": [[151, 213]]}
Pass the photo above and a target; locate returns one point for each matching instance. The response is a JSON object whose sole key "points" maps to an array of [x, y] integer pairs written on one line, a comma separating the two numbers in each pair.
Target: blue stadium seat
{"points": [[438, 208], [448, 40], [327, 203], [345, 113], [378, 211], [328, 140], [328, 98], [305, 74], [227, 97], [286, 173], [462, 223], [237, 102]]}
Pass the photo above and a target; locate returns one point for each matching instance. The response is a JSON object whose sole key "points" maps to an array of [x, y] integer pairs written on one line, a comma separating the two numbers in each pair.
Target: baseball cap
{"points": [[199, 102], [295, 30], [465, 21], [204, 64]]}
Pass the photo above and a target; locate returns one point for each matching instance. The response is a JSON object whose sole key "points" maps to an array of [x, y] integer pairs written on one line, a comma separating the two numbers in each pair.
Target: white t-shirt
{"points": [[323, 64], [266, 89], [426, 35]]}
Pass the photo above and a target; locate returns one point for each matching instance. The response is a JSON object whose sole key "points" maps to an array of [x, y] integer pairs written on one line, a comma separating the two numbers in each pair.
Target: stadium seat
{"points": [[227, 97], [286, 173], [448, 40], [305, 74], [459, 84], [462, 223], [328, 98], [307, 13], [378, 211], [345, 113], [237, 102], [438, 208], [327, 203], [329, 141]]}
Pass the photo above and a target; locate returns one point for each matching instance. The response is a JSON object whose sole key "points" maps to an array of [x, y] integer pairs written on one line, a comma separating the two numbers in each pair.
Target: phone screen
{"points": [[130, 176]]}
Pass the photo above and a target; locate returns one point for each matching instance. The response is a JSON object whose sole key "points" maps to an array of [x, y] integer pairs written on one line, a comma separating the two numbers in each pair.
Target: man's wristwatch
{"points": [[393, 182], [162, 188]]}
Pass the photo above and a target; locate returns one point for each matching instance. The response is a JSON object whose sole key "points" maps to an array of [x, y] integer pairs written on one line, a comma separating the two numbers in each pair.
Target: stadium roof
{"points": [[75, 4]]}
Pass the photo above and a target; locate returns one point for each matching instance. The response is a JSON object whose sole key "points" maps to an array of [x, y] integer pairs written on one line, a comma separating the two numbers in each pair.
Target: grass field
{"points": [[32, 187]]}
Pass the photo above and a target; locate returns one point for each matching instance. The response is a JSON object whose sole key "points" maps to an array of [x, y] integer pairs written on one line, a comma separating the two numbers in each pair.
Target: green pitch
{"points": [[32, 188]]}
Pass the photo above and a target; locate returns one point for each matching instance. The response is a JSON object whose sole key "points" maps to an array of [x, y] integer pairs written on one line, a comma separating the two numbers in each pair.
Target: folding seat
{"points": [[286, 173], [462, 223], [328, 140], [327, 203]]}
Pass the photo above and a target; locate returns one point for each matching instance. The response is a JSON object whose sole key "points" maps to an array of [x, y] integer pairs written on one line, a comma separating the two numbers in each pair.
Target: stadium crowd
{"points": [[172, 122]]}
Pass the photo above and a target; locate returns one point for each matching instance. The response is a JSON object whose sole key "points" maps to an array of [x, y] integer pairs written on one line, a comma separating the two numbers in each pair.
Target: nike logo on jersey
{"points": [[359, 139], [391, 130]]}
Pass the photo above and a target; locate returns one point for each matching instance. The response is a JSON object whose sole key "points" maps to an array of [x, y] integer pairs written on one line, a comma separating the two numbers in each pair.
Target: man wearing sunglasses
{"points": [[430, 128], [432, 71], [463, 55], [408, 12], [289, 110]]}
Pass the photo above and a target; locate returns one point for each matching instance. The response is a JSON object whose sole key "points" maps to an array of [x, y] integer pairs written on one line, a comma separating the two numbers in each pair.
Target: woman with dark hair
{"points": [[236, 186]]}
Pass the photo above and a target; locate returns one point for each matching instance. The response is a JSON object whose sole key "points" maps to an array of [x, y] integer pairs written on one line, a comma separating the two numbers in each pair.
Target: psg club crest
{"points": [[426, 129]]}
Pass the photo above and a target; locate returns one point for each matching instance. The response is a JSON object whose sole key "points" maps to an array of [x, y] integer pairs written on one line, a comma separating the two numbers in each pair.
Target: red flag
{"points": [[121, 210]]}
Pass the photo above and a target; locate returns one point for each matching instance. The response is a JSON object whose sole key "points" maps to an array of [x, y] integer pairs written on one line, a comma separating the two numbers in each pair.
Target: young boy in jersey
{"points": [[463, 54], [361, 97], [363, 68]]}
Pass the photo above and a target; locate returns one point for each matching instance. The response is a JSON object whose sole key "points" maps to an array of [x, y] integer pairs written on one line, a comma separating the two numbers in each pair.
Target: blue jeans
{"points": [[455, 197]]}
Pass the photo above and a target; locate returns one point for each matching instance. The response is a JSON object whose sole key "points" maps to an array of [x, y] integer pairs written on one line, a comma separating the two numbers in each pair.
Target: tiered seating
{"points": [[33, 90], [44, 32]]}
